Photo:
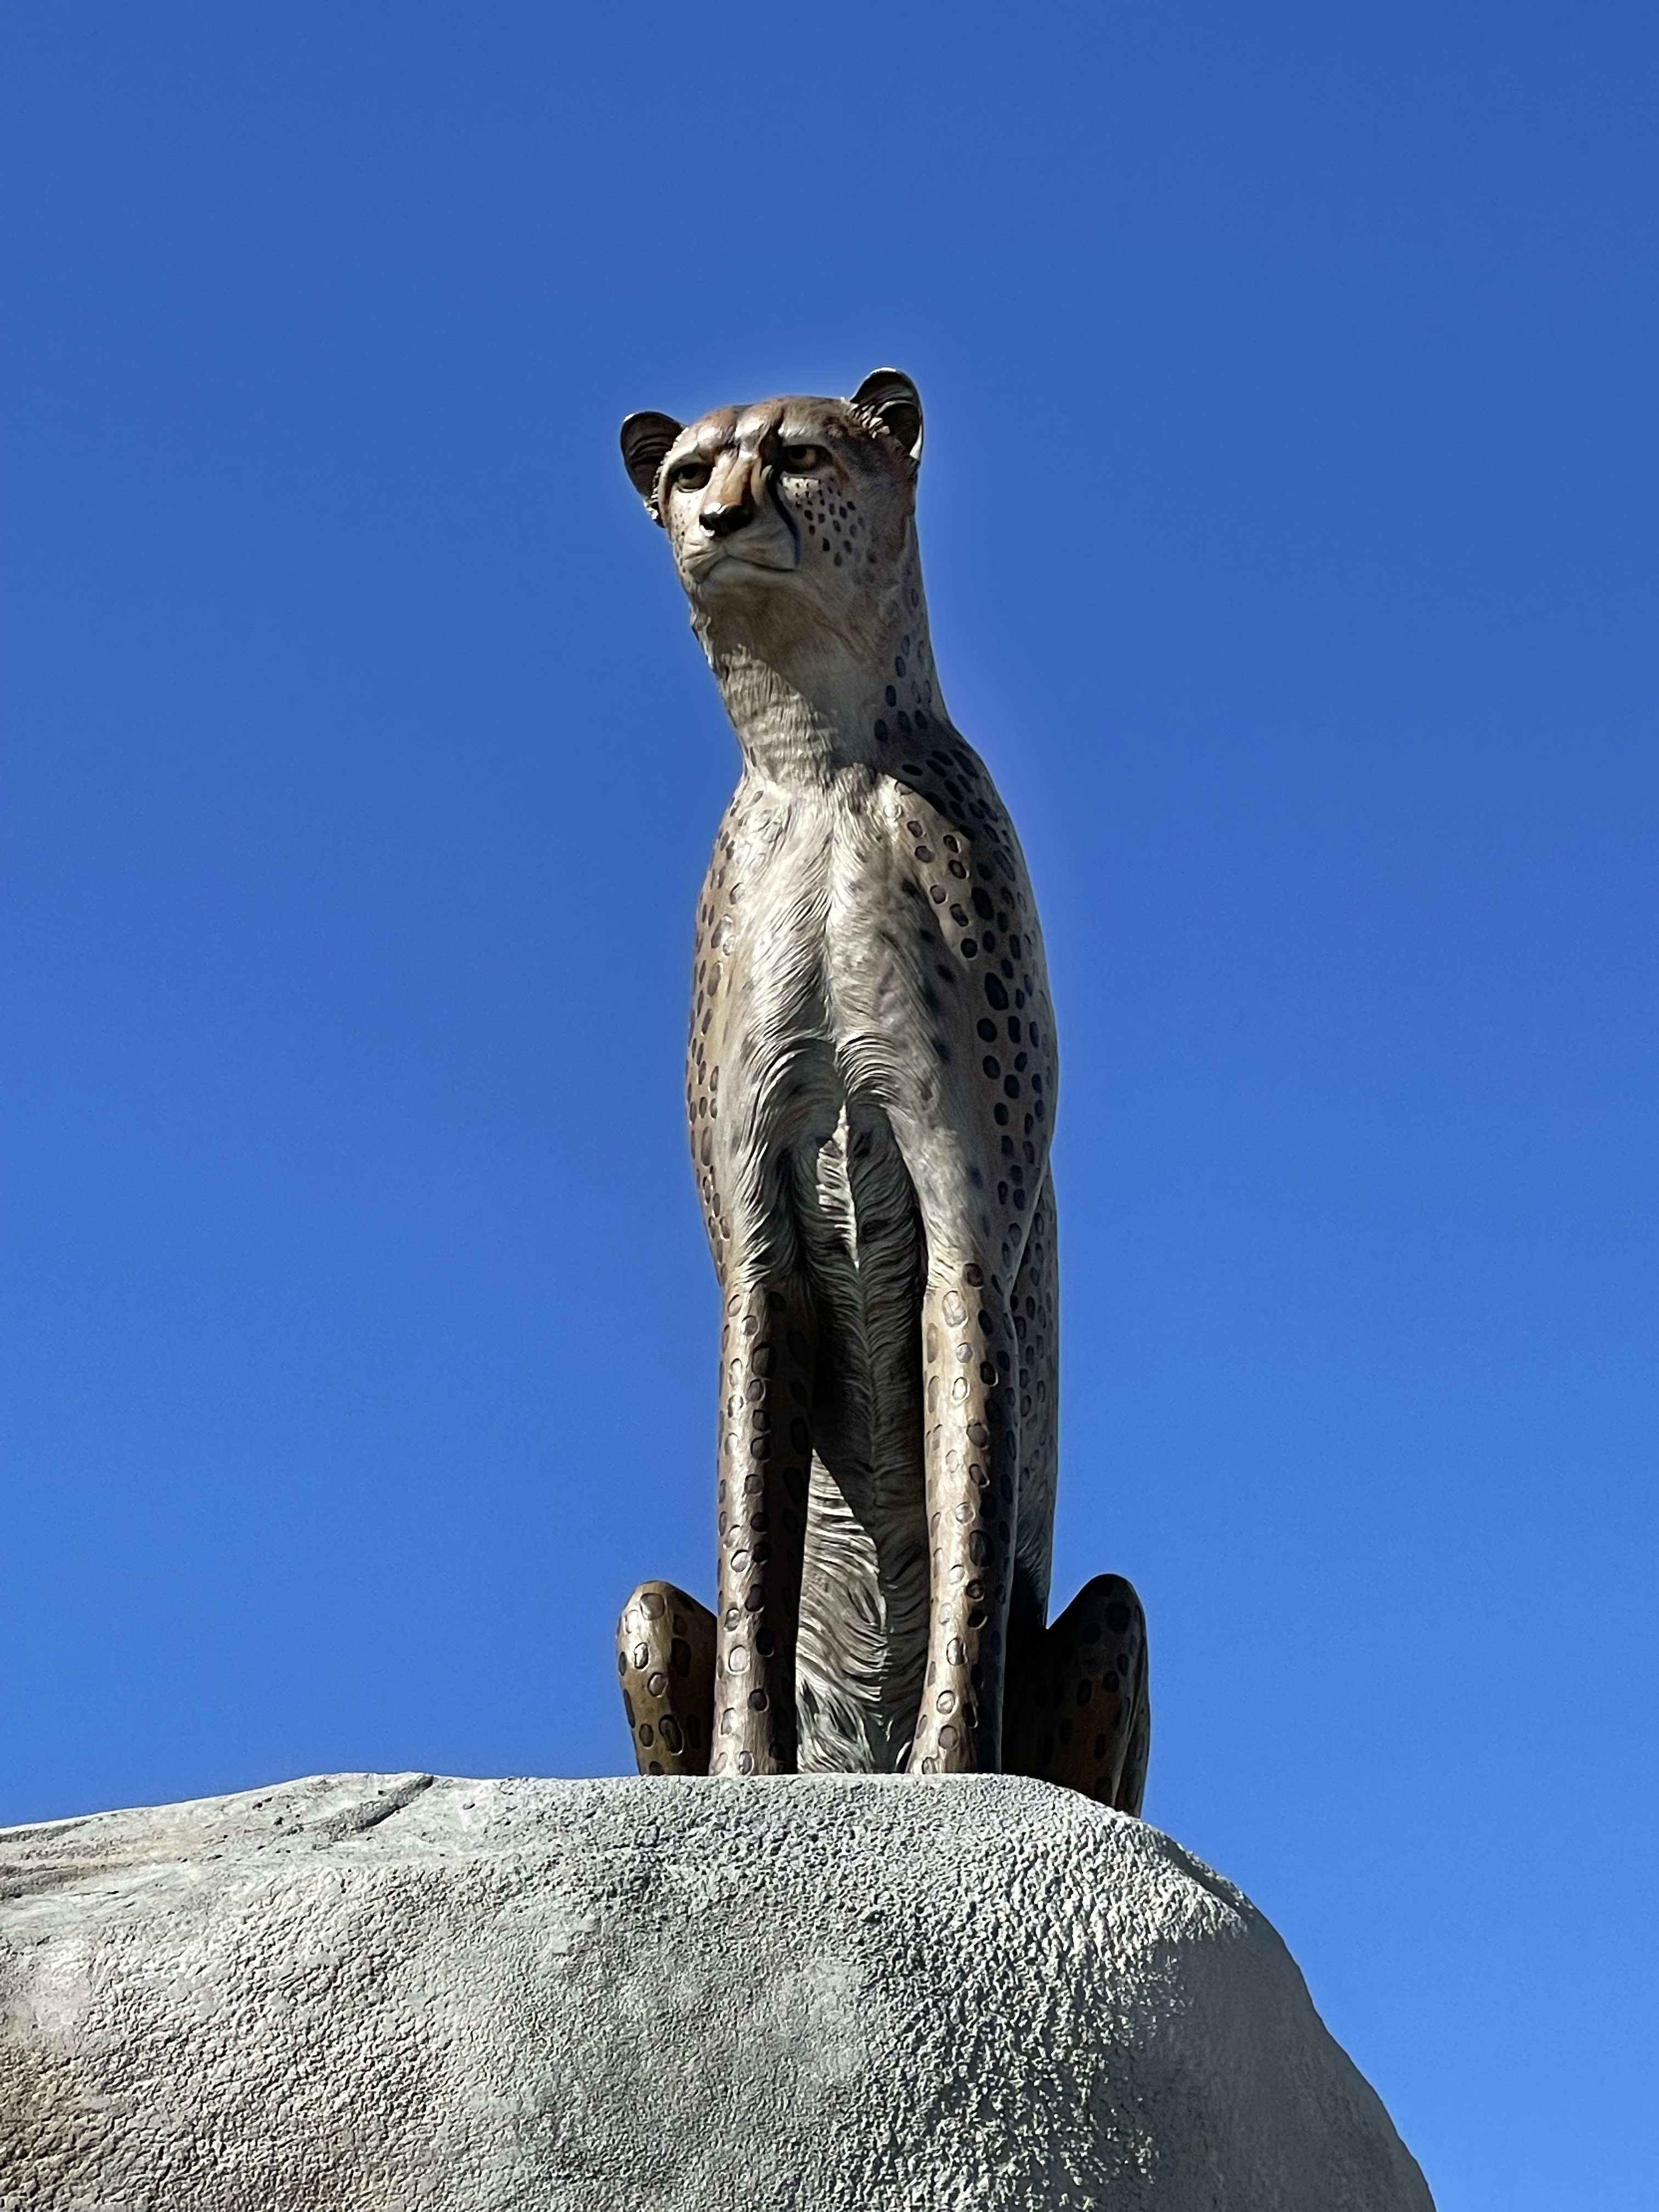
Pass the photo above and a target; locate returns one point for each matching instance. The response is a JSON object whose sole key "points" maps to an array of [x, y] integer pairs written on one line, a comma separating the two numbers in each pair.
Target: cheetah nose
{"points": [[720, 519]]}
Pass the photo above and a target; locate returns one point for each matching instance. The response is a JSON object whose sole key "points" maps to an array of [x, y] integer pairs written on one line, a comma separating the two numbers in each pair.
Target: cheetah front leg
{"points": [[766, 1450], [972, 1460]]}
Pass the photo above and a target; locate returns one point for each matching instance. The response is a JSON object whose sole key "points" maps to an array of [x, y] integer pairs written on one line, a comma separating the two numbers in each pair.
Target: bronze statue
{"points": [[871, 1087]]}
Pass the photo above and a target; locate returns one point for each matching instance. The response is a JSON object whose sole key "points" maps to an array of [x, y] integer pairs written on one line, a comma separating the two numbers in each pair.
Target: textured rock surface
{"points": [[383, 1992]]}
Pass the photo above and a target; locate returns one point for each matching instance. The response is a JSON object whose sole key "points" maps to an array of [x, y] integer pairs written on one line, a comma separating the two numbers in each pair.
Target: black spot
{"points": [[995, 994], [982, 906], [987, 1029], [892, 696], [1117, 1615], [881, 731]]}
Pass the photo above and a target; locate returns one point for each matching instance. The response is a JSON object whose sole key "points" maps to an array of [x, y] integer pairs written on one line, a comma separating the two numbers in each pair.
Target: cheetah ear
{"points": [[889, 396], [645, 439]]}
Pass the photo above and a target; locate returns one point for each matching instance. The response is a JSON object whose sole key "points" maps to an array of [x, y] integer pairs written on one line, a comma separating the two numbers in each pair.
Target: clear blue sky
{"points": [[1290, 522]]}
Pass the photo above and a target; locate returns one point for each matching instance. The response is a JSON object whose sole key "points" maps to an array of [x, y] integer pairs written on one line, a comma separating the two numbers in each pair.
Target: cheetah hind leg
{"points": [[1083, 1717], [665, 1657]]}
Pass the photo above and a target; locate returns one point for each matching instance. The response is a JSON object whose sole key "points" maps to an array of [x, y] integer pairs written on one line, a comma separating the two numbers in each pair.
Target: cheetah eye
{"points": [[801, 460], [690, 476]]}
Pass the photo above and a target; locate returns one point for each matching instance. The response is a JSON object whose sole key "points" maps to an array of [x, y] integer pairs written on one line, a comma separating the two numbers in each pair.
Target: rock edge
{"points": [[390, 1992]]}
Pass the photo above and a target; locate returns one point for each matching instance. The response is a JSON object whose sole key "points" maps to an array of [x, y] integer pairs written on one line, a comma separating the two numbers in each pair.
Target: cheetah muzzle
{"points": [[871, 1087]]}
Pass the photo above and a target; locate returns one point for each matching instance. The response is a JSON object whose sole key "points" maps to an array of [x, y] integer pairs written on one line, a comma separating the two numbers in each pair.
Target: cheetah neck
{"points": [[807, 709]]}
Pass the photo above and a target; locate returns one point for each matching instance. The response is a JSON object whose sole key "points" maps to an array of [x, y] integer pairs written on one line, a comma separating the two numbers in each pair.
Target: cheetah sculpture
{"points": [[871, 1087]]}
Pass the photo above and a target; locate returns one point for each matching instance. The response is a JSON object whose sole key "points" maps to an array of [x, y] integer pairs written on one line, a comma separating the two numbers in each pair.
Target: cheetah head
{"points": [[791, 520]]}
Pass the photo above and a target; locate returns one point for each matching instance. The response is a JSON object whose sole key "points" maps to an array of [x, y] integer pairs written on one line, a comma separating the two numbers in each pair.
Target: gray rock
{"points": [[384, 1992]]}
